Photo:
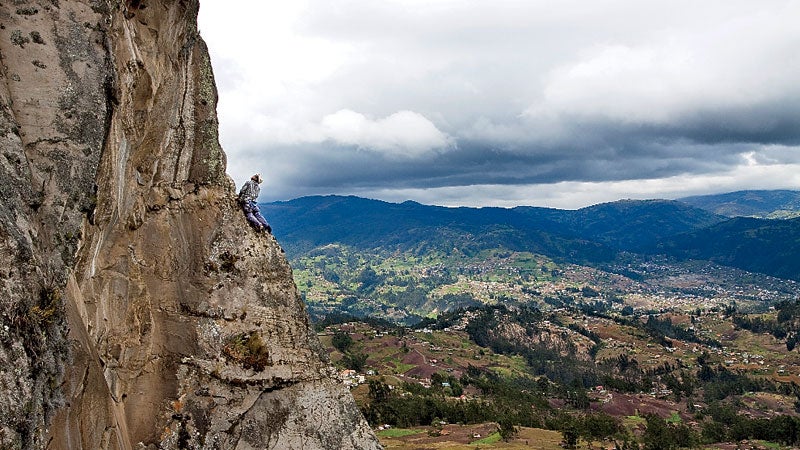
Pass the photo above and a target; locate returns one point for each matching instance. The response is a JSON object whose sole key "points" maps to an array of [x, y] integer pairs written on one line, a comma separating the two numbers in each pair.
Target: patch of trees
{"points": [[368, 279], [589, 292], [451, 301], [622, 374], [386, 406], [588, 333], [595, 308], [562, 301], [352, 359], [342, 341], [521, 393], [760, 325], [441, 385], [355, 361], [661, 329], [414, 296], [681, 384], [510, 402], [720, 383], [336, 318], [442, 321], [727, 425], [788, 311], [330, 275], [660, 435], [785, 326], [590, 427]]}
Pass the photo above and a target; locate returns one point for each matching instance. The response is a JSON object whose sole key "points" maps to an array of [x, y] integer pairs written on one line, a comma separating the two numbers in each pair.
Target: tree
{"points": [[368, 279], [355, 361], [342, 341], [714, 432], [379, 391], [543, 384], [507, 429], [657, 435], [661, 436], [379, 409], [570, 434], [599, 425]]}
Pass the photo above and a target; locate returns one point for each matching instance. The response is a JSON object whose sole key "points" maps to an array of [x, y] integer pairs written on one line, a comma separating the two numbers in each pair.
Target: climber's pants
{"points": [[253, 215]]}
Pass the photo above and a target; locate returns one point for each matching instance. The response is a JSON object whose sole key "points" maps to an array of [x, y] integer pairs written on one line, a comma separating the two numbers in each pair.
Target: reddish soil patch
{"points": [[421, 372], [422, 368], [415, 357], [636, 404]]}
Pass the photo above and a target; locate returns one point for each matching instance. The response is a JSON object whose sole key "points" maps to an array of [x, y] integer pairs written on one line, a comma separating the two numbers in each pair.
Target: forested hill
{"points": [[757, 245], [631, 225], [589, 234], [306, 223], [776, 204]]}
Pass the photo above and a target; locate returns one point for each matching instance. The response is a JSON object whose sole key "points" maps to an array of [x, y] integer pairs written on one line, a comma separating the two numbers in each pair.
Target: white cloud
{"points": [[402, 134], [742, 62]]}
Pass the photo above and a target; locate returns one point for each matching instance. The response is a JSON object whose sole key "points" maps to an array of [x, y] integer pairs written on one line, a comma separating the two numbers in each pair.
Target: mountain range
{"points": [[594, 234]]}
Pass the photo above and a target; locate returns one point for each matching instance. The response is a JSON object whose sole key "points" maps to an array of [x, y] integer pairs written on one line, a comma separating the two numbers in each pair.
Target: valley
{"points": [[405, 288], [477, 329], [663, 339]]}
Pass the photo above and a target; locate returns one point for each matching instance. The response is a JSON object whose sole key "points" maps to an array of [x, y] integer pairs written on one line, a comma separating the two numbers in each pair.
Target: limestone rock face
{"points": [[137, 308]]}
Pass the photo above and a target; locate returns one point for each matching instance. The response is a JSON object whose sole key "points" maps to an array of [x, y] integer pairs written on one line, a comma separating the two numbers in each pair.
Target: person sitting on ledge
{"points": [[248, 196]]}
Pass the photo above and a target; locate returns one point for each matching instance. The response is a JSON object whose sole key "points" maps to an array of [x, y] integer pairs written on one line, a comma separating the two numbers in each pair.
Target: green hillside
{"points": [[338, 237], [586, 235], [756, 245], [634, 225], [309, 222]]}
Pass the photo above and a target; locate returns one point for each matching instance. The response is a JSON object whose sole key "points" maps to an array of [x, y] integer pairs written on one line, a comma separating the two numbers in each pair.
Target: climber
{"points": [[247, 198]]}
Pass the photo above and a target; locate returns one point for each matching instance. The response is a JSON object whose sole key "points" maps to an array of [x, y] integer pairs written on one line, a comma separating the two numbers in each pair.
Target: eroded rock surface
{"points": [[137, 308]]}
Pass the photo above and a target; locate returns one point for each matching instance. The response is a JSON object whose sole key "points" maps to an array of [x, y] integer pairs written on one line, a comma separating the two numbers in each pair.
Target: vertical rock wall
{"points": [[185, 329]]}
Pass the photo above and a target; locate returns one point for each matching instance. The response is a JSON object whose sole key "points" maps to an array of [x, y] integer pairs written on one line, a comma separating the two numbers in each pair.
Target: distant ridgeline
{"points": [[779, 204], [589, 235]]}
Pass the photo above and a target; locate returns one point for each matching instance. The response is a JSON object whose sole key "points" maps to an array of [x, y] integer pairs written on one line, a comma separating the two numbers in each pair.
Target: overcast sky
{"points": [[527, 102]]}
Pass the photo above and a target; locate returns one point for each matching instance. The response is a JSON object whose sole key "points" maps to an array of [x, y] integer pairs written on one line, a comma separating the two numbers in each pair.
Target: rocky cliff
{"points": [[138, 309]]}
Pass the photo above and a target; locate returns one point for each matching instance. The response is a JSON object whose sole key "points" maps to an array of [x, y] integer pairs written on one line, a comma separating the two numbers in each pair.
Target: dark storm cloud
{"points": [[438, 97], [337, 169]]}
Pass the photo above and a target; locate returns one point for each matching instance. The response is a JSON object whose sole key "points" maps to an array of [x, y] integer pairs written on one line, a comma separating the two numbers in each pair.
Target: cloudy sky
{"points": [[474, 102]]}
